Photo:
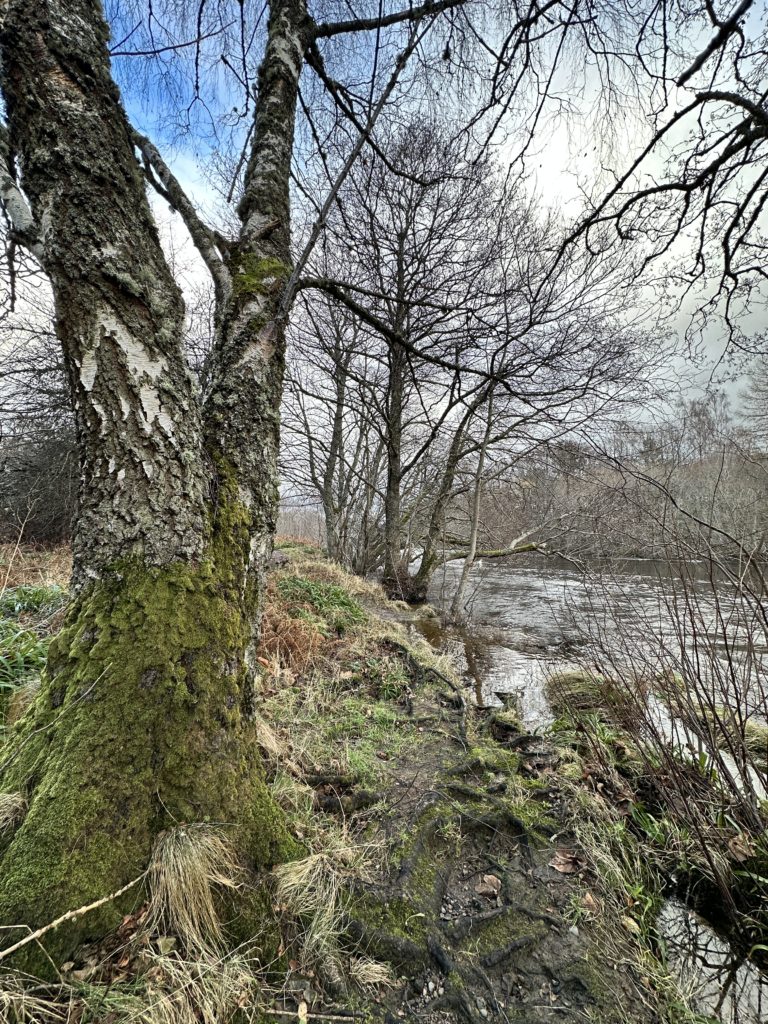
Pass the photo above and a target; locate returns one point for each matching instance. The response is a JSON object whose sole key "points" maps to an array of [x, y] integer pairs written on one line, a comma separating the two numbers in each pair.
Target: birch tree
{"points": [[145, 712]]}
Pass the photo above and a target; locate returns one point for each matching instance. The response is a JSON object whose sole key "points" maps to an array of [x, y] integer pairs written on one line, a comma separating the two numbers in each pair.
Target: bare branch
{"points": [[727, 28], [204, 237], [335, 28]]}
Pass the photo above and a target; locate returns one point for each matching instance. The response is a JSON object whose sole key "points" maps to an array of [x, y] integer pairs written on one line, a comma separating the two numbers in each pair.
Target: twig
{"points": [[70, 914], [317, 1016]]}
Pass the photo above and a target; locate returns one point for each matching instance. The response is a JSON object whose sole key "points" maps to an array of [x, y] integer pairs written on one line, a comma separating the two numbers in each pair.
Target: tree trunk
{"points": [[430, 558], [395, 578], [333, 473], [457, 612], [143, 719]]}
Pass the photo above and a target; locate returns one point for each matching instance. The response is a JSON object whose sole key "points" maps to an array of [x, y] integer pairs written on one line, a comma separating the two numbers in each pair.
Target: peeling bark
{"points": [[119, 320], [144, 717]]}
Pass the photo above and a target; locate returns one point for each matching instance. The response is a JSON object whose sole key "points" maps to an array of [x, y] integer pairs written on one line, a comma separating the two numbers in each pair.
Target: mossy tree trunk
{"points": [[144, 715]]}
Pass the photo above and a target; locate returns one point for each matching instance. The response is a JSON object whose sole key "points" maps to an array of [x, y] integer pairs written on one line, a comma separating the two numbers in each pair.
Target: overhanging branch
{"points": [[335, 28]]}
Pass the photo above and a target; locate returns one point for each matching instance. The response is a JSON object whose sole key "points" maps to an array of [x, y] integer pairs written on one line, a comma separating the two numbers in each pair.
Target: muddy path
{"points": [[473, 902]]}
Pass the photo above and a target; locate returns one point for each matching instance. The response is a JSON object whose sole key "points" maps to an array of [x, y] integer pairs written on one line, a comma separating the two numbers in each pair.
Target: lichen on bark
{"points": [[143, 719]]}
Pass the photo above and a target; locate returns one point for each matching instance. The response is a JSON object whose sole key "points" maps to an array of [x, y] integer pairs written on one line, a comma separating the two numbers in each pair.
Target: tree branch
{"points": [[727, 28], [204, 237], [335, 28], [15, 204]]}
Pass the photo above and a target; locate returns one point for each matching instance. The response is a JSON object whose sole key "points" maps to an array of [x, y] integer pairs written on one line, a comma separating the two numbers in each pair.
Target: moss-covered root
{"points": [[141, 722]]}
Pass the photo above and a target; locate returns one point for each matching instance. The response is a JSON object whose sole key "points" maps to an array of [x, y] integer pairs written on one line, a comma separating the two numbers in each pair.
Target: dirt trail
{"points": [[475, 906]]}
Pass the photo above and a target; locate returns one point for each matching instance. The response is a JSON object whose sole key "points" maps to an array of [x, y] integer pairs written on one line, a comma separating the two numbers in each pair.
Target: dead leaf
{"points": [[589, 903], [567, 862], [303, 1010], [166, 944], [631, 925], [489, 885], [741, 847]]}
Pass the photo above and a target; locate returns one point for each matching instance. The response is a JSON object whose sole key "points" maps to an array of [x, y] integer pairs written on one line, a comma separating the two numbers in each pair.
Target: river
{"points": [[532, 616]]}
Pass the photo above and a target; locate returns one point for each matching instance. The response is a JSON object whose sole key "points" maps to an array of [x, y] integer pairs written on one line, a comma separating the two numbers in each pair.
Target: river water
{"points": [[529, 617]]}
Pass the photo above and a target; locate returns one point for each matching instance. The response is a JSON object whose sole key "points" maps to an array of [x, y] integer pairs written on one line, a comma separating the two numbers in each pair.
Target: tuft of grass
{"points": [[189, 863], [369, 974], [13, 807], [313, 892], [25, 1002], [202, 990], [22, 653], [20, 698], [329, 605], [29, 598]]}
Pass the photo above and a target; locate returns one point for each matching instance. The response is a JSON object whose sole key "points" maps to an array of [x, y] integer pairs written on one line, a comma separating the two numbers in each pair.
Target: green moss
{"points": [[401, 917], [505, 929], [575, 690], [599, 982], [141, 722], [258, 275], [486, 760]]}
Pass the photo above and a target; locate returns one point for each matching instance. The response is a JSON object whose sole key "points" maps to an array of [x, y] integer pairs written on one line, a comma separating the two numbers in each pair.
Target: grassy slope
{"points": [[429, 831]]}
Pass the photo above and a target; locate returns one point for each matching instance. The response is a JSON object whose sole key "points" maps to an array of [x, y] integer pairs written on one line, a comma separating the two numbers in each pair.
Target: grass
{"points": [[624, 885], [22, 653], [336, 677], [336, 684], [29, 615], [34, 566], [27, 598], [13, 807], [326, 604], [189, 865]]}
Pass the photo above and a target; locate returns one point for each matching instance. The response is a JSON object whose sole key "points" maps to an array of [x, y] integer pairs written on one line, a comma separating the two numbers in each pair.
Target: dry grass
{"points": [[13, 807], [356, 586], [293, 643], [314, 894], [369, 974], [26, 1002], [189, 863], [170, 989], [21, 699], [204, 990], [22, 565]]}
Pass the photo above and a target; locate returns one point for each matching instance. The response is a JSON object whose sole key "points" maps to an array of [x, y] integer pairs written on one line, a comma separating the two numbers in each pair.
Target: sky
{"points": [[568, 157]]}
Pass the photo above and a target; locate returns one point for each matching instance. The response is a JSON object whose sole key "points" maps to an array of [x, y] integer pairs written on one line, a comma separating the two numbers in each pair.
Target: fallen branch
{"points": [[69, 916]]}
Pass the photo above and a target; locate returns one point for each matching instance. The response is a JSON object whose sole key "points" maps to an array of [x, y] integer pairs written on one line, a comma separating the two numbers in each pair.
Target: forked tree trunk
{"points": [[143, 719]]}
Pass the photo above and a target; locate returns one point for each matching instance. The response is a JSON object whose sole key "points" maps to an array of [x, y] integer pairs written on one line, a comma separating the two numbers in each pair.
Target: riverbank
{"points": [[458, 868]]}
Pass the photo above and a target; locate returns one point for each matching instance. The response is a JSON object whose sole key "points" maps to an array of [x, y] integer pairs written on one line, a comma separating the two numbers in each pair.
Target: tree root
{"points": [[337, 803], [402, 952], [500, 955]]}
